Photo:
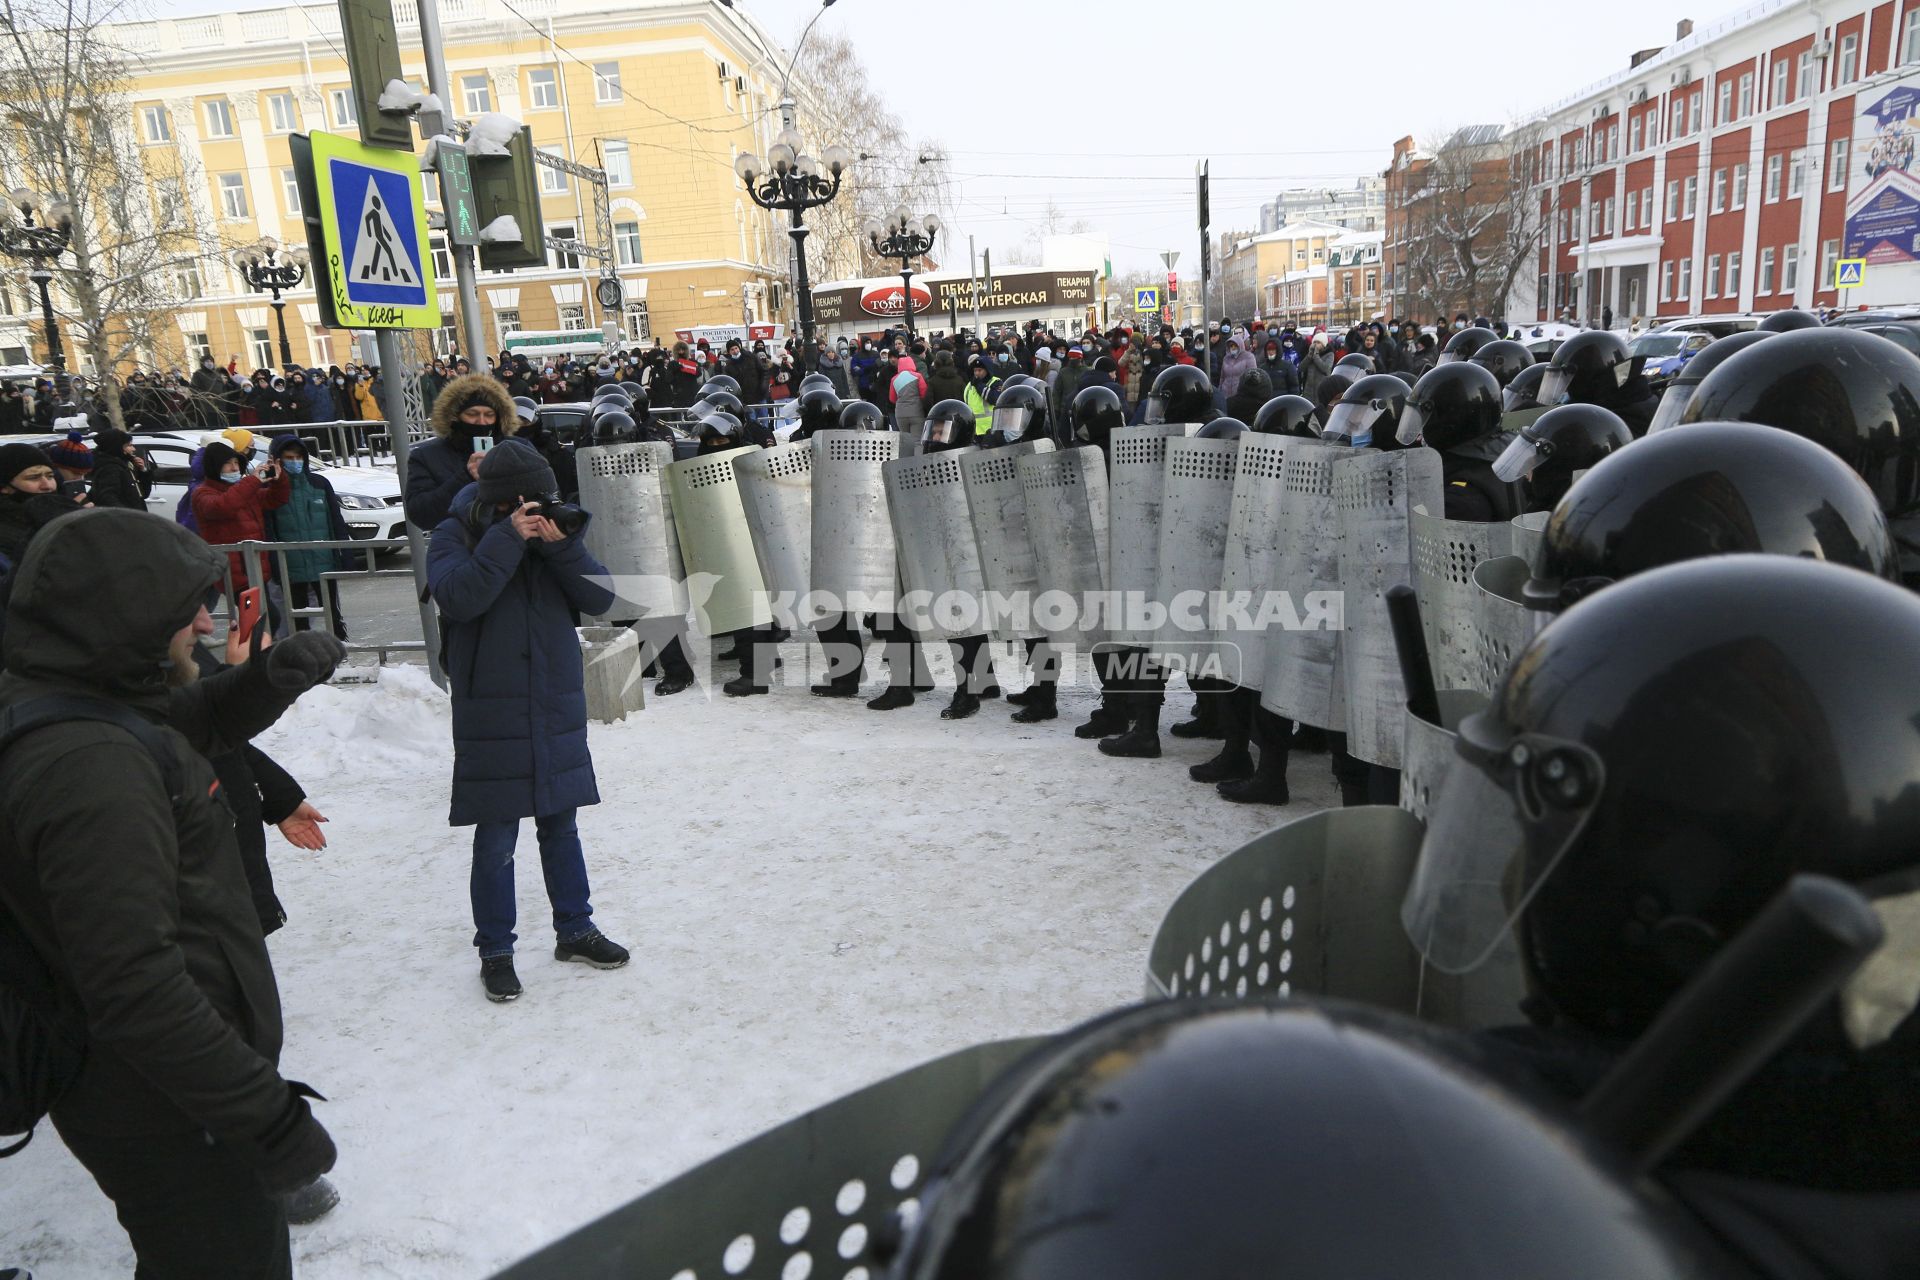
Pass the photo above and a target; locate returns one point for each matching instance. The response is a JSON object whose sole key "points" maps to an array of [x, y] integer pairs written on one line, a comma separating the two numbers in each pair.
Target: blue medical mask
{"points": [[294, 466], [231, 477]]}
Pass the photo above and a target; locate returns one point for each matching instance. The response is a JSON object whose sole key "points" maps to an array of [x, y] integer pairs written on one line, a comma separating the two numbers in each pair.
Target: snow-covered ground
{"points": [[816, 896]]}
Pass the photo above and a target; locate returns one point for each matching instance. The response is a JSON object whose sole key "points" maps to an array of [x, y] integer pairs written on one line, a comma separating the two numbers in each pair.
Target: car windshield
{"points": [[1659, 346]]}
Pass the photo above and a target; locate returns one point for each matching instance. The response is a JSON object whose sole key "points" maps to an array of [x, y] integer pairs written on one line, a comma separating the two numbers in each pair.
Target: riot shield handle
{"points": [[1416, 670], [1724, 1024]]}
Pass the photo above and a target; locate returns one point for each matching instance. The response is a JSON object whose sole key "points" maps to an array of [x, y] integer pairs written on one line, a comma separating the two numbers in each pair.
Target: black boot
{"points": [[742, 686], [1142, 741], [963, 705], [667, 686], [894, 697], [1022, 697], [1232, 762], [1040, 703], [1206, 718], [1104, 723], [1267, 784]]}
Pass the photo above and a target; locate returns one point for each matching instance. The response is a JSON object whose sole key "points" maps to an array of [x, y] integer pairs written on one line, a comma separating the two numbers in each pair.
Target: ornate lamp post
{"points": [[39, 236], [265, 270], [905, 238], [791, 180]]}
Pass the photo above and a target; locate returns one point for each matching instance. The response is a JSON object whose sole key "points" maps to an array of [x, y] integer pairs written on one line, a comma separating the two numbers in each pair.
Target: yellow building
{"points": [[662, 94], [1254, 269]]}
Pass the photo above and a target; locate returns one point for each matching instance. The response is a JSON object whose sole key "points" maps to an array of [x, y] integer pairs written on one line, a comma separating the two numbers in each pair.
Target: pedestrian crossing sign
{"points": [[373, 221], [1147, 299], [1849, 273]]}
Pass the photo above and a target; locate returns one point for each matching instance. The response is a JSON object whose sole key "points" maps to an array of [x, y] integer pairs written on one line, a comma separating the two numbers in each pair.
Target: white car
{"points": [[370, 497]]}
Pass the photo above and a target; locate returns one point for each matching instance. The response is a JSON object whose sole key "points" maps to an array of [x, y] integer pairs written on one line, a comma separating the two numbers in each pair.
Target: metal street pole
{"points": [[55, 356], [978, 289], [395, 381], [803, 299], [465, 273], [280, 315]]}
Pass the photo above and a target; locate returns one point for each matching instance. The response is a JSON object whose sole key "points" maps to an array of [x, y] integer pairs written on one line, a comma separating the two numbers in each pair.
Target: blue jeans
{"points": [[562, 863]]}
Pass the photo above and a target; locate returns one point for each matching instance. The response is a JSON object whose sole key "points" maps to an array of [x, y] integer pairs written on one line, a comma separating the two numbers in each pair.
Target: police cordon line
{"points": [[1619, 979]]}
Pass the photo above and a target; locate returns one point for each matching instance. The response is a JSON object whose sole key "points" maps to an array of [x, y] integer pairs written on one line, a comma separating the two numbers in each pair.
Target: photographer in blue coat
{"points": [[511, 576]]}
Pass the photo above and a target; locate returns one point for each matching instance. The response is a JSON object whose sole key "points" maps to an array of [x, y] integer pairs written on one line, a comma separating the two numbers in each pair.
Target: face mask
{"points": [[294, 466], [340, 382], [230, 477]]}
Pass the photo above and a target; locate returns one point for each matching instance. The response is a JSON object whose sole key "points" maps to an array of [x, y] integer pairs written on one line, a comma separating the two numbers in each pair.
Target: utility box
{"points": [[613, 667]]}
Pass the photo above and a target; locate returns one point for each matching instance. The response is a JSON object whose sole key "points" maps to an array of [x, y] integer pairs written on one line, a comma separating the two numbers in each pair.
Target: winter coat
{"points": [[908, 391], [366, 403], [1133, 365], [1238, 360], [1314, 369], [437, 469], [1255, 389], [1282, 377], [23, 515], [318, 398], [311, 514], [1066, 385], [139, 908], [945, 382], [745, 369], [114, 482], [237, 512], [508, 610], [836, 372], [862, 366]]}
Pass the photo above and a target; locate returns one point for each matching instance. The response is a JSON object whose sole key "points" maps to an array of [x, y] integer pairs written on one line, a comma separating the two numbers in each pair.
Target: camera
{"points": [[567, 518]]}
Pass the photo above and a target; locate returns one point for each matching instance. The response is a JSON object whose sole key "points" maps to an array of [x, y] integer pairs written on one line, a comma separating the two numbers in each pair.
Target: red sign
{"points": [[890, 300]]}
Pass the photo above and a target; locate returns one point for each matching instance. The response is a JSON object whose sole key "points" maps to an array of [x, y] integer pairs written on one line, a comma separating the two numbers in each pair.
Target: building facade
{"points": [[1361, 207], [1738, 168], [661, 94], [1255, 270]]}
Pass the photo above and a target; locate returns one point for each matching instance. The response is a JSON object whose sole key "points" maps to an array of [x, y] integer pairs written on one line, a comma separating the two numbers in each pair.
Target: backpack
{"points": [[43, 1034]]}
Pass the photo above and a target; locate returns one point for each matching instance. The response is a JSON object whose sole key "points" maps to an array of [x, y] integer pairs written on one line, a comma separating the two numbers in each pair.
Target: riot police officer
{"points": [[1455, 410], [1673, 402], [1504, 358], [1595, 367], [1548, 450], [1466, 344]]}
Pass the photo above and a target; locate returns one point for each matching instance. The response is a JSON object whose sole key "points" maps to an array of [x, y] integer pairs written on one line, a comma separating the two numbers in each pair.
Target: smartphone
{"points": [[248, 616], [482, 443]]}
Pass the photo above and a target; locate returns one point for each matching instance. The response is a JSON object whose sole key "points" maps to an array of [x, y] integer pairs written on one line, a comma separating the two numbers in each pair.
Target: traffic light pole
{"points": [[465, 275]]}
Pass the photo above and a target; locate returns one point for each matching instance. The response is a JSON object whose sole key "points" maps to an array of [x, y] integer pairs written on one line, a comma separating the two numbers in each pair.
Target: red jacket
{"points": [[237, 513]]}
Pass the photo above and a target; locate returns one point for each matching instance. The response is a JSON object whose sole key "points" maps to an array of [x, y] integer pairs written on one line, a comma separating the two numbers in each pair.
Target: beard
{"points": [[181, 668]]}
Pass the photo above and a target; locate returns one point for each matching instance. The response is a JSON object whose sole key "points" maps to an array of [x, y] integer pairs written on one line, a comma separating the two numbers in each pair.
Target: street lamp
{"points": [[40, 236], [792, 180], [906, 238], [266, 269]]}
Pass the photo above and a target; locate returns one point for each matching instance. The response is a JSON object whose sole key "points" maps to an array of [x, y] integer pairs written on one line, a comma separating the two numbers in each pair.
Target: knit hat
{"points": [[72, 453], [285, 444], [513, 469], [215, 458], [15, 458], [239, 437]]}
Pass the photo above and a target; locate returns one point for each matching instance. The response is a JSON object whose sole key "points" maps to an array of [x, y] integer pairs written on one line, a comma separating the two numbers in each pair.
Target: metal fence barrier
{"points": [[321, 613]]}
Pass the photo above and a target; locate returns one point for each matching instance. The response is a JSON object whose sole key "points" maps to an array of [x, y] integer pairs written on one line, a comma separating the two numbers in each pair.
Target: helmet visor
{"points": [[1011, 421], [1156, 411], [1512, 807], [1516, 398], [1353, 422], [1673, 407], [1518, 459], [938, 430], [1448, 357], [1554, 386], [1412, 419]]}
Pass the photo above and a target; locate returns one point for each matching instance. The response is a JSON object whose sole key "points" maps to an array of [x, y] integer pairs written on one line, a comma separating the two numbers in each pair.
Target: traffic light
{"points": [[373, 60], [507, 186]]}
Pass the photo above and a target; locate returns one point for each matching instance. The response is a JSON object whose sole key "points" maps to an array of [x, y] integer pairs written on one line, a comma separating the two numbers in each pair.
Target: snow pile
{"points": [[399, 96], [490, 134], [503, 228], [816, 896]]}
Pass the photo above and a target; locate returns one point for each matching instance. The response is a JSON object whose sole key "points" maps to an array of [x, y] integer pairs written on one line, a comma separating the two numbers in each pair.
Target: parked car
{"points": [[1667, 350], [369, 496], [1896, 324], [1717, 326], [1544, 338]]}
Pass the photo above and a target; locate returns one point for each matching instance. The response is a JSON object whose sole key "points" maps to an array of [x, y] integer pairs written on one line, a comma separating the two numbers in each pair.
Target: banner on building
{"points": [[882, 299], [1883, 196]]}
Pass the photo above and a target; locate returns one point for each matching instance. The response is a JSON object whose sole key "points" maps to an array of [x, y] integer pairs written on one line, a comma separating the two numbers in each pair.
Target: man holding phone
{"points": [[511, 586], [470, 415]]}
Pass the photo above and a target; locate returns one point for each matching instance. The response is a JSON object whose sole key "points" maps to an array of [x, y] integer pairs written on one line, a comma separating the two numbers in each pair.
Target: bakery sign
{"points": [[1021, 291]]}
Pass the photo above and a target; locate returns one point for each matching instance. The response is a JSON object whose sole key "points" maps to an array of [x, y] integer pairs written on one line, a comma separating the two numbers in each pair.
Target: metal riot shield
{"points": [[1302, 679], [1427, 753], [1445, 554], [1196, 500], [934, 533], [632, 533], [1249, 567], [853, 553], [776, 490], [1529, 531], [1504, 622], [997, 504], [715, 542], [1136, 481], [1066, 495], [826, 1184]]}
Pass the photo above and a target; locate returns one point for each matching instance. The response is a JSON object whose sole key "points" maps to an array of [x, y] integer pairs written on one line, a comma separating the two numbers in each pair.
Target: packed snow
{"points": [[503, 228], [490, 134], [816, 896], [398, 96]]}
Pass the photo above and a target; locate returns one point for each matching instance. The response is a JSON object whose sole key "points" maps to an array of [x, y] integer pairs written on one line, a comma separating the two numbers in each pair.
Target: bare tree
{"points": [[1472, 222], [838, 104], [136, 251]]}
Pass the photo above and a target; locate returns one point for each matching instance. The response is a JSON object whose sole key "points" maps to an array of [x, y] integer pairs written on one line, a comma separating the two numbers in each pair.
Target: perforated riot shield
{"points": [[1136, 481], [1250, 566], [1302, 679], [1504, 624], [1066, 495], [776, 490], [853, 552], [1196, 501], [997, 504], [1427, 754], [632, 532], [715, 543], [1375, 494], [1445, 554], [1528, 532], [933, 530]]}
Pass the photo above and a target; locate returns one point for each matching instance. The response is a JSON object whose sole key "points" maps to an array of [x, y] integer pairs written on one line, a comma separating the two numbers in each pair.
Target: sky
{"points": [[1100, 111]]}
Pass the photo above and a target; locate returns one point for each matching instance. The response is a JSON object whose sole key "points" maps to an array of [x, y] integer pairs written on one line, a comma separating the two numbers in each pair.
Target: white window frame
{"points": [[1723, 102], [156, 124], [1910, 36], [622, 179], [1789, 268], [442, 257], [1733, 274], [573, 316], [1633, 211], [218, 113], [606, 82], [1633, 136], [550, 85], [1738, 191], [1718, 204], [1775, 165], [1606, 216], [1679, 117], [279, 120], [188, 280], [558, 259], [1803, 77], [199, 347], [1695, 110], [1746, 95], [233, 193], [1690, 199], [1846, 67], [1685, 283], [263, 348], [1673, 200], [1838, 156], [1713, 276], [290, 194], [344, 108], [623, 232], [1782, 81], [1666, 281], [553, 182], [476, 92], [505, 323], [1829, 258], [1796, 173], [636, 323], [1763, 283]]}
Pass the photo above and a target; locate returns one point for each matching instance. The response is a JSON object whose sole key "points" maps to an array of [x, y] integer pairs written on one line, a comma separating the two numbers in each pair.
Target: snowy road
{"points": [[816, 896]]}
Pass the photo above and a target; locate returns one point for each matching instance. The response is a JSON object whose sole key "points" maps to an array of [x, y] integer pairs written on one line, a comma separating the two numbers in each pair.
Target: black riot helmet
{"points": [[1369, 412], [1523, 392], [862, 415], [720, 430], [1856, 393], [1655, 767], [1451, 406], [1182, 393], [950, 424], [1359, 361], [1019, 414], [1287, 416], [1197, 1138], [614, 426], [721, 382], [1559, 442], [1096, 413], [640, 405], [812, 380], [1327, 394], [1503, 358], [1465, 344], [722, 399], [1588, 368], [611, 391], [1222, 429], [1786, 321], [1673, 403], [1714, 489], [634, 390], [819, 409], [526, 408]]}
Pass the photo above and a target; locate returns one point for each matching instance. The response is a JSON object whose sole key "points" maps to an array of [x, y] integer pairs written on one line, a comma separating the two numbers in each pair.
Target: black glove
{"points": [[295, 1149], [303, 660]]}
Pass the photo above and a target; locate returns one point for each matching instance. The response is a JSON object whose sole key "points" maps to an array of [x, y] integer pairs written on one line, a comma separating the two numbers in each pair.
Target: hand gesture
{"points": [[239, 649], [473, 466], [302, 828], [526, 521]]}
